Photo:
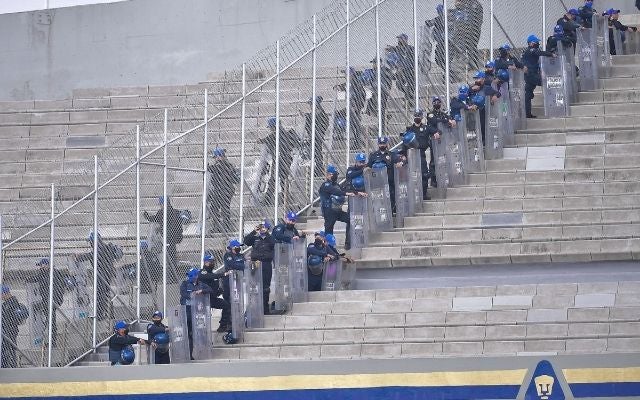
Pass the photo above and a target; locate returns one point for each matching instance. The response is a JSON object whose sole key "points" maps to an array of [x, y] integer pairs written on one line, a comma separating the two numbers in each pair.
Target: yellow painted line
{"points": [[230, 384], [598, 375]]}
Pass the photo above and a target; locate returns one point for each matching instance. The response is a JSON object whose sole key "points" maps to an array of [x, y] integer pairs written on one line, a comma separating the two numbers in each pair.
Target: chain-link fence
{"points": [[228, 154]]}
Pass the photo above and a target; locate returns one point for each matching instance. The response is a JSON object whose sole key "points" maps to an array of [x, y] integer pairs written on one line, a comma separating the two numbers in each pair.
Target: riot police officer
{"points": [[287, 231], [153, 329], [212, 279], [460, 102], [317, 255], [532, 77], [480, 88], [120, 340], [423, 134], [191, 285], [615, 28], [332, 198], [490, 70], [585, 14], [384, 157], [263, 249], [436, 116], [505, 60], [569, 24], [354, 172], [557, 37]]}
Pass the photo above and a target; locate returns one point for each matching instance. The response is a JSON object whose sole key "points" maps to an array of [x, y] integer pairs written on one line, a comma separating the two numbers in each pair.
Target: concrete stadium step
{"points": [[507, 252], [579, 136], [582, 124]]}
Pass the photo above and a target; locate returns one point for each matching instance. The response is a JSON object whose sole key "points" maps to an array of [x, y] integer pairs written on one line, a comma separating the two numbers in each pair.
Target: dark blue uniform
{"points": [[553, 41], [390, 159], [488, 91], [262, 249], [456, 106], [117, 343], [424, 135], [434, 117], [315, 272], [284, 233], [569, 27], [186, 288], [506, 62], [585, 15], [532, 78], [332, 197], [152, 331], [615, 27], [353, 171], [211, 279]]}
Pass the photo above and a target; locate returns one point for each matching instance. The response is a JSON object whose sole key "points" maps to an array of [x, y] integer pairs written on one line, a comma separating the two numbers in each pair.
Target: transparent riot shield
{"points": [[359, 222], [237, 304], [379, 200], [494, 129], [617, 41], [179, 335], [504, 102], [401, 180], [632, 44], [253, 286], [516, 99], [471, 137], [348, 276], [332, 276], [38, 311], [81, 269], [569, 72], [600, 40], [415, 181], [587, 60], [282, 290], [554, 87], [299, 279], [455, 157], [201, 326], [260, 177], [441, 165]]}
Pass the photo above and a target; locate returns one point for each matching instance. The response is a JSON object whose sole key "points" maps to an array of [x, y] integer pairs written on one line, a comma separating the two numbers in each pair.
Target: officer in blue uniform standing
{"points": [[233, 260], [262, 250], [557, 37], [569, 24], [317, 255], [460, 102], [480, 88], [119, 341], [389, 159], [286, 231], [532, 77], [356, 171], [187, 287], [332, 198], [153, 329], [435, 116], [585, 14], [212, 279], [505, 60]]}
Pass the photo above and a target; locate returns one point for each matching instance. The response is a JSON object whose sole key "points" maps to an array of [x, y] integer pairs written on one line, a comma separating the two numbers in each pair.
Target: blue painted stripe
{"points": [[384, 393], [608, 389]]}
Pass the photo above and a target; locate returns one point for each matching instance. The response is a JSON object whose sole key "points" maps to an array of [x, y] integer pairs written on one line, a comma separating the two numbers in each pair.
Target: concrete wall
{"points": [[46, 54]]}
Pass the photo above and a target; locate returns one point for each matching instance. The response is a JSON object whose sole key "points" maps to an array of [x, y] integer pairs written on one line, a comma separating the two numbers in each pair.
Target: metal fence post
{"points": [[95, 251], [312, 168], [242, 146], [348, 84], [378, 69], [415, 52], [277, 168], [165, 202], [138, 255], [1, 282], [51, 267], [544, 24], [446, 49], [491, 30], [204, 173]]}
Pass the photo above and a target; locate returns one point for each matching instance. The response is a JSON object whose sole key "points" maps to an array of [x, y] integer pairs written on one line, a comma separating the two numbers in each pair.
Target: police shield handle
{"points": [[253, 285]]}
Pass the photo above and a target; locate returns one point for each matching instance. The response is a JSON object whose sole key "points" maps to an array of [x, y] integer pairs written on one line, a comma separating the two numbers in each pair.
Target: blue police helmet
{"points": [[341, 122], [440, 8], [5, 289], [218, 152], [271, 122], [161, 338], [358, 183], [368, 76], [409, 139], [503, 75], [479, 75], [361, 157], [157, 314], [192, 274], [207, 258], [574, 11], [234, 243], [379, 165], [144, 245], [610, 11], [505, 47], [291, 215], [119, 325], [91, 236], [490, 65], [161, 200], [463, 89], [127, 356], [331, 240], [331, 169], [533, 39], [478, 100], [319, 233], [383, 140], [266, 224], [314, 260], [588, 4], [558, 30]]}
